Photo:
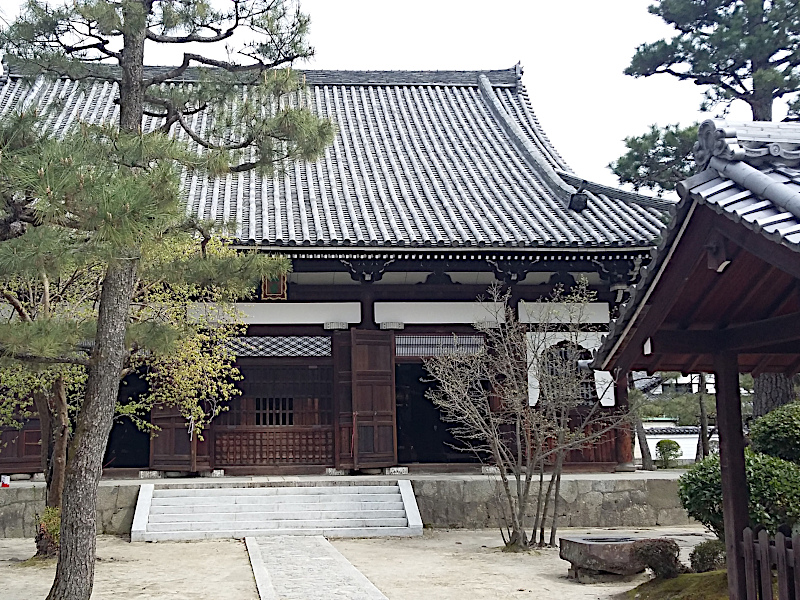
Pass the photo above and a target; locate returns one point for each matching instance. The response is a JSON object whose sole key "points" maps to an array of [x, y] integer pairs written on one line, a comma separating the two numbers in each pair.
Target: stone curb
{"points": [[143, 502], [410, 505], [266, 591]]}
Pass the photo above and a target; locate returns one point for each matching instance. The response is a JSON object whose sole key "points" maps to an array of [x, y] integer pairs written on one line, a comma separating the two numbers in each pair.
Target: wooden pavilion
{"points": [[722, 293]]}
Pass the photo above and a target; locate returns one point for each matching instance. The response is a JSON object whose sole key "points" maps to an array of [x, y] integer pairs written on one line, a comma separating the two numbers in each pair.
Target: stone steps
{"points": [[229, 499], [217, 517], [336, 532], [285, 507], [190, 513]]}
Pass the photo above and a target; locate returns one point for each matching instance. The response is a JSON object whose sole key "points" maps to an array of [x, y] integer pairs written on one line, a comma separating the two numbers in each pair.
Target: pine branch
{"points": [[24, 315], [46, 360]]}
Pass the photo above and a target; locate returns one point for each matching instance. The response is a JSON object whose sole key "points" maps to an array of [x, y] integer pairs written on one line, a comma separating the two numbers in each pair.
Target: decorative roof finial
{"points": [[715, 139]]}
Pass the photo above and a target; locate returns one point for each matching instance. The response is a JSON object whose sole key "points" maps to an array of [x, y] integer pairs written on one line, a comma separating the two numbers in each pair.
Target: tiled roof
{"points": [[751, 175], [687, 430], [421, 158]]}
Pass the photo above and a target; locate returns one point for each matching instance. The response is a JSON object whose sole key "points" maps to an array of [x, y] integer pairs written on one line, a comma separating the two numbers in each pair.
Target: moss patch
{"points": [[37, 561], [691, 586]]}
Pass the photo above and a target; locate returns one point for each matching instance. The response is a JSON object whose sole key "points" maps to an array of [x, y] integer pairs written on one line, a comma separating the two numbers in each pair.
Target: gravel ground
{"points": [[441, 565], [470, 565], [177, 570]]}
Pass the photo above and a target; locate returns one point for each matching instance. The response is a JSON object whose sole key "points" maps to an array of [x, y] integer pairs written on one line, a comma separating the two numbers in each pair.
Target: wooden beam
{"points": [[765, 336], [767, 332], [734, 481], [750, 292], [686, 341], [793, 368], [762, 365]]}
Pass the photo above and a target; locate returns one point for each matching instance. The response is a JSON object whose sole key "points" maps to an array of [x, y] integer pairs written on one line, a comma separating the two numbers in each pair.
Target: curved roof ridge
{"points": [[533, 155]]}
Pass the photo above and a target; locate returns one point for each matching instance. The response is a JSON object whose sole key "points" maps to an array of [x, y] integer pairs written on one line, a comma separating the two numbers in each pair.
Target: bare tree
{"points": [[523, 402]]}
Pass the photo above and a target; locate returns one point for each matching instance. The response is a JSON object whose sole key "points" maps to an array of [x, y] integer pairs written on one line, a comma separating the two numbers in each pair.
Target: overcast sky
{"points": [[573, 53]]}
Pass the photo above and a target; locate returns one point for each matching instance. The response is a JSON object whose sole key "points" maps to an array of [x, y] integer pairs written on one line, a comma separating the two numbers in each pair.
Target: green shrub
{"points": [[667, 451], [773, 485], [660, 555], [708, 556], [48, 532], [778, 433]]}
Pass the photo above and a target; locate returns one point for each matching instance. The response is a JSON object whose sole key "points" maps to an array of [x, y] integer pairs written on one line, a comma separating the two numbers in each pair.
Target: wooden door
{"points": [[374, 439], [344, 452], [174, 448]]}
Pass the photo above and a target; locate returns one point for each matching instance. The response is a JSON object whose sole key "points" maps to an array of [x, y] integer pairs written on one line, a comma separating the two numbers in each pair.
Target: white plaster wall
{"points": [[560, 312], [687, 442], [289, 313], [434, 313]]}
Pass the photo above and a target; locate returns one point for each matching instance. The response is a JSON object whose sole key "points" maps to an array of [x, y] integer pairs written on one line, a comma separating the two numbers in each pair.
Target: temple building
{"points": [[438, 184]]}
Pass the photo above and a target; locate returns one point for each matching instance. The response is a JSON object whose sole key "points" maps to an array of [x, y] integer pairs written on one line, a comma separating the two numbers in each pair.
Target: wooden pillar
{"points": [[624, 437], [367, 307], [734, 480]]}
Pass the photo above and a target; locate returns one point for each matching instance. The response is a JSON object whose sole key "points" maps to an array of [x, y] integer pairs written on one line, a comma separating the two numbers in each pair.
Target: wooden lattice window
{"points": [[274, 289], [282, 395], [274, 411]]}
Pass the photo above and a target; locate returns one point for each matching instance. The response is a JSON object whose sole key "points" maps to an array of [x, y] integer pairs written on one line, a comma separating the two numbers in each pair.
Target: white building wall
{"points": [[687, 442]]}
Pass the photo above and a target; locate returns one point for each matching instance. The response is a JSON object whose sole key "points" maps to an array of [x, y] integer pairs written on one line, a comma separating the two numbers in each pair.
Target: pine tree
{"points": [[112, 192], [737, 49], [745, 50]]}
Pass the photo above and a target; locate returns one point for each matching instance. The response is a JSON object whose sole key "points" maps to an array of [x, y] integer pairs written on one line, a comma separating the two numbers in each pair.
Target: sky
{"points": [[573, 53]]}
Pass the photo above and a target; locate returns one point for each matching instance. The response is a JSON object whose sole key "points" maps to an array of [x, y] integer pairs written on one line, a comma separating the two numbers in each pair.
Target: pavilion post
{"points": [[624, 446], [734, 480]]}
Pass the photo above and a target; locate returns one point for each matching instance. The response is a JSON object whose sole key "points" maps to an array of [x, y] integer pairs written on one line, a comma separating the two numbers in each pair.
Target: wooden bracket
{"points": [[716, 252]]}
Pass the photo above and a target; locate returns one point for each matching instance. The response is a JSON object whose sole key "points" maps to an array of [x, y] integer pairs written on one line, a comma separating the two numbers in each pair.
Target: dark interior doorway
{"points": [[128, 446], [422, 436]]}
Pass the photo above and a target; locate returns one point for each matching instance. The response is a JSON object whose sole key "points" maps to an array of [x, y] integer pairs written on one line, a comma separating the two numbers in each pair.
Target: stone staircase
{"points": [[339, 510]]}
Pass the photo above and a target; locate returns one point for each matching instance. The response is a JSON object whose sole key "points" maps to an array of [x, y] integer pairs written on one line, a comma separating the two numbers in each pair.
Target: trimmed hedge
{"points": [[778, 433], [773, 485], [708, 556], [667, 451], [661, 556]]}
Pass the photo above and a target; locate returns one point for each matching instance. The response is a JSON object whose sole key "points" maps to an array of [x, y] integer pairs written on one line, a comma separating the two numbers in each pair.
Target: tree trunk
{"points": [[42, 404], [641, 437], [703, 439], [771, 390], [59, 413], [75, 571], [556, 493], [761, 108], [54, 426]]}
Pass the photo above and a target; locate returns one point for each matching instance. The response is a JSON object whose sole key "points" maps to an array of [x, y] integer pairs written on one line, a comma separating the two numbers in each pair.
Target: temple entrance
{"points": [[283, 418], [422, 436]]}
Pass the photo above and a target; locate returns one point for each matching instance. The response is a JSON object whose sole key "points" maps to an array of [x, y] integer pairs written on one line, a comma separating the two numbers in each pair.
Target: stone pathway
{"points": [[306, 568]]}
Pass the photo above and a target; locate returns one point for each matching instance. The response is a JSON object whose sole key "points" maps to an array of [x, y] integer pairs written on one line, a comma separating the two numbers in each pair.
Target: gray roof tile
{"points": [[421, 158]]}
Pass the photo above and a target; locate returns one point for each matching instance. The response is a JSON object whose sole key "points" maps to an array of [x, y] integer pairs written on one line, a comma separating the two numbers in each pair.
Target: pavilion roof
{"points": [[421, 159], [750, 179]]}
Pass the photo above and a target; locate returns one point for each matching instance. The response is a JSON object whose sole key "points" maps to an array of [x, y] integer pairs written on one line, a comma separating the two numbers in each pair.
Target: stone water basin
{"points": [[598, 555]]}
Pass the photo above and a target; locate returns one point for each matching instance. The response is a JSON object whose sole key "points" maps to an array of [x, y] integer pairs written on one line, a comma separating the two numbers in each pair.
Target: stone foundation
{"points": [[20, 505], [450, 502], [476, 504]]}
